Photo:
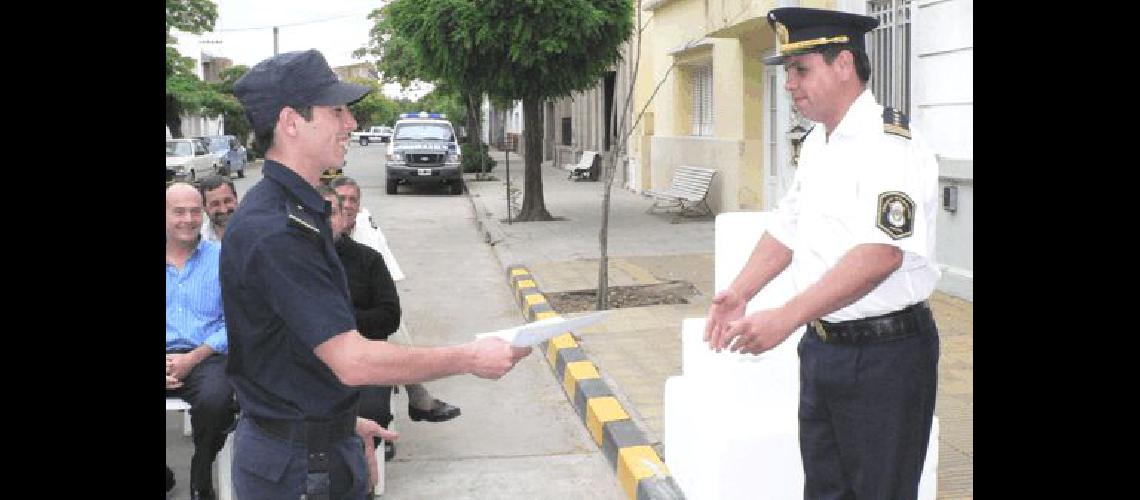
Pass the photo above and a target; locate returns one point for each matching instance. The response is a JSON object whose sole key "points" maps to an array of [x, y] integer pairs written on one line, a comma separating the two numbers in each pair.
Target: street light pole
{"points": [[275, 40]]}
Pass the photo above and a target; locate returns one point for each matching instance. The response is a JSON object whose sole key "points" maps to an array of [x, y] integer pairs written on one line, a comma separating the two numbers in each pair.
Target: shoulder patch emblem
{"points": [[895, 215], [896, 122]]}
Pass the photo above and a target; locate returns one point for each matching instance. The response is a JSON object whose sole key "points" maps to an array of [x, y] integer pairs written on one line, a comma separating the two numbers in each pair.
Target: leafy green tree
{"points": [[442, 99], [531, 50], [185, 92], [227, 104], [399, 63]]}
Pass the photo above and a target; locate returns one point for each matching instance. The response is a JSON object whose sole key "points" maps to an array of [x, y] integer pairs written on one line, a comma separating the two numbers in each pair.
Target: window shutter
{"points": [[702, 101]]}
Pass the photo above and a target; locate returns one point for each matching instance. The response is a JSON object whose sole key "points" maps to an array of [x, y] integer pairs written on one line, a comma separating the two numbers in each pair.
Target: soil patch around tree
{"points": [[670, 292]]}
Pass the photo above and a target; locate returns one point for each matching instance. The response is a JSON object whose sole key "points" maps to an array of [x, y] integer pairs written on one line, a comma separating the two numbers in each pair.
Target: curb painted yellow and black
{"points": [[640, 471]]}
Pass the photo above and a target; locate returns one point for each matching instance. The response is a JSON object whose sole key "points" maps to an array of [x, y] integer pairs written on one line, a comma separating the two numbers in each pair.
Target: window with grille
{"points": [[702, 100], [888, 46]]}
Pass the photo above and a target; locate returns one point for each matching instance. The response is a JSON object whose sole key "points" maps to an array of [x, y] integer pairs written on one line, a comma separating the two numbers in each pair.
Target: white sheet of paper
{"points": [[532, 334]]}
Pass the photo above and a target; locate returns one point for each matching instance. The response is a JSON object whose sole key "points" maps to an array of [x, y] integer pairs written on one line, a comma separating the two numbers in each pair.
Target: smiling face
{"points": [[351, 195], [326, 136], [183, 214], [220, 204]]}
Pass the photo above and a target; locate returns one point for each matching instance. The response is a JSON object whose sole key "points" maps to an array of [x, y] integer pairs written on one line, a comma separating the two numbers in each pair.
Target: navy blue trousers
{"points": [[865, 414], [266, 467], [212, 410]]}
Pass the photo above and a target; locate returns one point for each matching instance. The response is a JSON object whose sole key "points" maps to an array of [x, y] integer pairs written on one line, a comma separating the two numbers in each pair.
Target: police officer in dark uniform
{"points": [[296, 359], [859, 220]]}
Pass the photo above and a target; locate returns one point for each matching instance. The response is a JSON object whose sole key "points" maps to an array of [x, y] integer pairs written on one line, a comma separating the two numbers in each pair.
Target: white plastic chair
{"points": [[223, 464]]}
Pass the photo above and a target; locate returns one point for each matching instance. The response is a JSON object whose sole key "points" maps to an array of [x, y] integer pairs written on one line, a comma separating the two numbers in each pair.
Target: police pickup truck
{"points": [[423, 150], [374, 134]]}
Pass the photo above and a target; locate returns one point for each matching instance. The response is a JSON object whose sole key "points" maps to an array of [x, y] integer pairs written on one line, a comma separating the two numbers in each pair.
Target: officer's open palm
{"points": [[494, 357], [759, 331], [367, 430], [727, 306]]}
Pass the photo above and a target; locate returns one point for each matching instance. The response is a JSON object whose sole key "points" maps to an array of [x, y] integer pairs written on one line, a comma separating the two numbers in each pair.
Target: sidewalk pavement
{"points": [[637, 348]]}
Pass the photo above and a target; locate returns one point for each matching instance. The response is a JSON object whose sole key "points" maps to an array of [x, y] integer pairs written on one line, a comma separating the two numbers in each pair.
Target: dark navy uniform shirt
{"points": [[284, 293]]}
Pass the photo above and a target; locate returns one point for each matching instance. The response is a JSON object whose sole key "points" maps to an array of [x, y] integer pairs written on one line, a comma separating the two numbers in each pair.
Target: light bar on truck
{"points": [[424, 114]]}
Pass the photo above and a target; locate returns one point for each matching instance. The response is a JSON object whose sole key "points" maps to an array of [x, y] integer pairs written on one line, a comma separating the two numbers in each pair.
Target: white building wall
{"points": [[194, 125], [942, 93]]}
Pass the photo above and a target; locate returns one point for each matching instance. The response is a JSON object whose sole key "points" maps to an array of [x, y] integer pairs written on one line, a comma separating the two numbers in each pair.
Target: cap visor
{"points": [[775, 60], [341, 93]]}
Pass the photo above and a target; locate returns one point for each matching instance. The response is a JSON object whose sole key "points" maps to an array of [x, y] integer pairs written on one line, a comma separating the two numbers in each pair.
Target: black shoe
{"points": [[169, 479], [439, 412], [389, 451]]}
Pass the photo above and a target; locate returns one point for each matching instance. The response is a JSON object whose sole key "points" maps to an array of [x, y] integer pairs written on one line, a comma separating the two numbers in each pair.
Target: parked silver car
{"points": [[188, 159]]}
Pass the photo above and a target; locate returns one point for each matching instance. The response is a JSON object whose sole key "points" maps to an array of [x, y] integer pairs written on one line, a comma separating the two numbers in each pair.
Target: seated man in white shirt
{"points": [[421, 404]]}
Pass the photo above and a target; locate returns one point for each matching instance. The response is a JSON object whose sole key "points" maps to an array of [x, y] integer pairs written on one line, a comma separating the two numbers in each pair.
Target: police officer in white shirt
{"points": [[859, 221]]}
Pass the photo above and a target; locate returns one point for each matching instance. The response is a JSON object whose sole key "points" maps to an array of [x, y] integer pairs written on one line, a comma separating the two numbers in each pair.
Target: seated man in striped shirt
{"points": [[196, 333]]}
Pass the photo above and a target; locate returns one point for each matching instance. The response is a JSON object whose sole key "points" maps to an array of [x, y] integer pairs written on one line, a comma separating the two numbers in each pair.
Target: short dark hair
{"points": [[862, 62], [266, 136], [213, 182]]}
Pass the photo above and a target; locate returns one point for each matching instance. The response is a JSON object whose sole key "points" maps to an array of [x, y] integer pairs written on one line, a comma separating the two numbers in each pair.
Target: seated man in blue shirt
{"points": [[196, 332]]}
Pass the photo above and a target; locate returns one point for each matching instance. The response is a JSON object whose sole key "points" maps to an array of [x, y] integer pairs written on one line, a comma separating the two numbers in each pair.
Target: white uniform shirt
{"points": [[368, 234], [863, 185], [207, 230]]}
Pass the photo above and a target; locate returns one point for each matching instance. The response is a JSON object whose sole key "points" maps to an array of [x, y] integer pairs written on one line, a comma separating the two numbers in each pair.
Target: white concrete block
{"points": [[738, 448]]}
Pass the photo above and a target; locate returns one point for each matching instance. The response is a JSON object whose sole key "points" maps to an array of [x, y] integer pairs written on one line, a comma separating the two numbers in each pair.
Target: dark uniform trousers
{"points": [[865, 414], [375, 404], [267, 467], [212, 410]]}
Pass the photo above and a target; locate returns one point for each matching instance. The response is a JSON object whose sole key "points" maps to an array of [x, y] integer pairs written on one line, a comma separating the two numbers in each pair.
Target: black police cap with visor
{"points": [[801, 30], [301, 78]]}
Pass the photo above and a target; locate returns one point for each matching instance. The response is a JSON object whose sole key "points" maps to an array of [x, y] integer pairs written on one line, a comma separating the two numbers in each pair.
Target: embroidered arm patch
{"points": [[895, 215]]}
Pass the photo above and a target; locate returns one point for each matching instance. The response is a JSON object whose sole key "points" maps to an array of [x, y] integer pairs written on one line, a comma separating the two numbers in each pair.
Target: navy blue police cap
{"points": [[301, 78], [802, 30]]}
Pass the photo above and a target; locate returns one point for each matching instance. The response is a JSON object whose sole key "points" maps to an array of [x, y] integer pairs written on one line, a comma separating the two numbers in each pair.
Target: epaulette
{"points": [[896, 122], [807, 134], [297, 215]]}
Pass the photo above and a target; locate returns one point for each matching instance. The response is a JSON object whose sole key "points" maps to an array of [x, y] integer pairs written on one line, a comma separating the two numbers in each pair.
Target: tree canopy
{"points": [[531, 50], [513, 49], [185, 92]]}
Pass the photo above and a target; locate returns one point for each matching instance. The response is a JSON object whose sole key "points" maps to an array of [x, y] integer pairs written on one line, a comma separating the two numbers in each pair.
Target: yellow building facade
{"points": [[710, 102]]}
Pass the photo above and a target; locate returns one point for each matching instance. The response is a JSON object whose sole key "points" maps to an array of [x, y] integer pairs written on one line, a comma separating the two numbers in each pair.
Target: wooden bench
{"points": [[584, 166], [688, 190]]}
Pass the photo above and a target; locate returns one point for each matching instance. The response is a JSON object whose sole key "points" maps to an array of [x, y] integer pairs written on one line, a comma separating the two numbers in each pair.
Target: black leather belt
{"points": [[305, 431], [900, 324]]}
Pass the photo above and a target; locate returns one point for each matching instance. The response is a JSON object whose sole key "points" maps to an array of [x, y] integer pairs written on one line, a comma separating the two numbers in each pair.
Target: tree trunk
{"points": [[603, 301], [474, 134], [173, 116], [533, 207], [474, 129]]}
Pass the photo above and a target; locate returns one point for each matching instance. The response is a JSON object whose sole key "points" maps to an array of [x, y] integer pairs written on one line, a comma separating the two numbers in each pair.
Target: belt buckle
{"points": [[819, 330]]}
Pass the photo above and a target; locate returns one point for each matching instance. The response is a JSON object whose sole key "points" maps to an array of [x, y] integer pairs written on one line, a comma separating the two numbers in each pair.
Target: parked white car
{"points": [[188, 159]]}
